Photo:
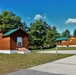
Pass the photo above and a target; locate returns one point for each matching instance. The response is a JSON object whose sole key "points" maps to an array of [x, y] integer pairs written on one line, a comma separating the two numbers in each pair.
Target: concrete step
{"points": [[22, 49]]}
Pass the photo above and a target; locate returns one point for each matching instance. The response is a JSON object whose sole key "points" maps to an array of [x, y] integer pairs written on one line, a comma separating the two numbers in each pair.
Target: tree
{"points": [[37, 32], [8, 20], [51, 36], [66, 33], [74, 33], [41, 34]]}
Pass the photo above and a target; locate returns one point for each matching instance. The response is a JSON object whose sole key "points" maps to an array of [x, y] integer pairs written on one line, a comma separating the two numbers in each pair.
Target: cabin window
{"points": [[70, 40], [63, 41], [19, 41]]}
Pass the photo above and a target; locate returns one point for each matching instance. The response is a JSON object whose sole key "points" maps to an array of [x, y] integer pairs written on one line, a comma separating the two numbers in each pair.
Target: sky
{"points": [[59, 13]]}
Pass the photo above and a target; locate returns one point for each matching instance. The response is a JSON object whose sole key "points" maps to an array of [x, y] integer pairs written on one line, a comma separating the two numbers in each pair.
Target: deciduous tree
{"points": [[66, 33], [74, 33], [42, 34], [8, 20]]}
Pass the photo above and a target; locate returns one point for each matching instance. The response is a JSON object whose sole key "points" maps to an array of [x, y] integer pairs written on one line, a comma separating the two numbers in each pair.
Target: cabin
{"points": [[66, 42], [14, 41]]}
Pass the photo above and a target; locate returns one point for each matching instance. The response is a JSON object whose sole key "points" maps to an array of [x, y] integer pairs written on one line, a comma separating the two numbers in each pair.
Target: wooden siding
{"points": [[70, 41], [13, 40], [4, 43]]}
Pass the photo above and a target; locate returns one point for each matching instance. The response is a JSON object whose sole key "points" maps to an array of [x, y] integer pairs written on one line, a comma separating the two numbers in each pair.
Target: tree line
{"points": [[66, 33], [41, 34]]}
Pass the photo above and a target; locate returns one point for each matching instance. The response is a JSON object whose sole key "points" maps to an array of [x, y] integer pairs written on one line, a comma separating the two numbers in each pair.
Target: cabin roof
{"points": [[12, 31], [61, 39]]}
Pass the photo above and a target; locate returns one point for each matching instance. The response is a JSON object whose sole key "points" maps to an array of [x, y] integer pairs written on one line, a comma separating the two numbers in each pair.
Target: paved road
{"points": [[31, 72], [65, 66], [60, 51]]}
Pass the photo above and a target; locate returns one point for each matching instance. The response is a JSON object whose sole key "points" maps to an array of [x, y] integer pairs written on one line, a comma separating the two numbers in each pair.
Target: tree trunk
{"points": [[41, 47]]}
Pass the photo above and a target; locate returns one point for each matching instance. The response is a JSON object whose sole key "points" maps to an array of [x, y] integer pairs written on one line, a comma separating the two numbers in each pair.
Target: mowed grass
{"points": [[58, 48], [14, 62], [64, 48]]}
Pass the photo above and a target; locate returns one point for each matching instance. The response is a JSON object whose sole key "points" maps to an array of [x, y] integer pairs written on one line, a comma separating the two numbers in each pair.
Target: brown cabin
{"points": [[14, 41], [66, 42]]}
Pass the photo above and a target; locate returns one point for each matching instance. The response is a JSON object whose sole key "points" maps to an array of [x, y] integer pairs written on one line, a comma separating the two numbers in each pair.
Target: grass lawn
{"points": [[58, 48], [13, 62], [64, 48]]}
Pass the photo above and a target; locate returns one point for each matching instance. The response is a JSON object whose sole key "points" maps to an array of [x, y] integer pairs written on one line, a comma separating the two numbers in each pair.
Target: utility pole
{"points": [[56, 49]]}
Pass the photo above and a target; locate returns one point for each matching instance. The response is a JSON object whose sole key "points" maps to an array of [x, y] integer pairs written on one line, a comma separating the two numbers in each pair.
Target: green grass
{"points": [[14, 62], [35, 51], [64, 48], [58, 48]]}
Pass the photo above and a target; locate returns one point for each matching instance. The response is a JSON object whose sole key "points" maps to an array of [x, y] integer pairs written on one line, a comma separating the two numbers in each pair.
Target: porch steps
{"points": [[23, 50]]}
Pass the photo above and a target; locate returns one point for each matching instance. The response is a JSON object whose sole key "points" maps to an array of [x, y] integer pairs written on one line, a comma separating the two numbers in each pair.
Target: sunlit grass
{"points": [[64, 48], [13, 62]]}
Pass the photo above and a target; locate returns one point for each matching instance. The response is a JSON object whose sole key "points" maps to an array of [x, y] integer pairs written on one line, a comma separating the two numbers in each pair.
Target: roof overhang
{"points": [[61, 39], [12, 31]]}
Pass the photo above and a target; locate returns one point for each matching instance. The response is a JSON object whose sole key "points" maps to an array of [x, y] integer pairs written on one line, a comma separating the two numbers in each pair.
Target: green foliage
{"points": [[51, 36], [66, 33], [37, 33], [9, 20], [74, 33], [41, 34]]}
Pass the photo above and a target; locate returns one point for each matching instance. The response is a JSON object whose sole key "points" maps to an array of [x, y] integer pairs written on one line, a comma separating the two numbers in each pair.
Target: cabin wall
{"points": [[4, 43], [13, 39], [71, 42]]}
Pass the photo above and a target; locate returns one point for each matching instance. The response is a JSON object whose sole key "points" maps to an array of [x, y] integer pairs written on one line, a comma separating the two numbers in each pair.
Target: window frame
{"points": [[19, 40]]}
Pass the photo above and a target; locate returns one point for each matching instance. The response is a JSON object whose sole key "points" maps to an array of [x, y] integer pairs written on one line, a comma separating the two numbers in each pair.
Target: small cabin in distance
{"points": [[66, 42]]}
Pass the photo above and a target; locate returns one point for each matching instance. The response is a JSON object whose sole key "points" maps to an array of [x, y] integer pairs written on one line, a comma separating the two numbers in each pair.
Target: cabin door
{"points": [[19, 41]]}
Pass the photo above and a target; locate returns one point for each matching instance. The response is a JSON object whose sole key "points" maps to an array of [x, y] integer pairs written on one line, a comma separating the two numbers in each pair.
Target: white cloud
{"points": [[44, 17], [38, 16], [28, 18], [70, 20]]}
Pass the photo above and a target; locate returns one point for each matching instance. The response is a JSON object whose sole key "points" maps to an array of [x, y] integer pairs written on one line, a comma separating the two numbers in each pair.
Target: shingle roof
{"points": [[61, 39], [11, 31]]}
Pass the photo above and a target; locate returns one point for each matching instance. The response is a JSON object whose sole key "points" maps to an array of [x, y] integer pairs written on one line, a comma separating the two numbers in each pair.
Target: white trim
{"points": [[8, 51], [66, 45], [23, 52], [14, 51], [61, 45], [72, 45]]}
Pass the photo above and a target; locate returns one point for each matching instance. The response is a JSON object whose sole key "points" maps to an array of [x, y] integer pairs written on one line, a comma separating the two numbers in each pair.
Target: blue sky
{"points": [[59, 13]]}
